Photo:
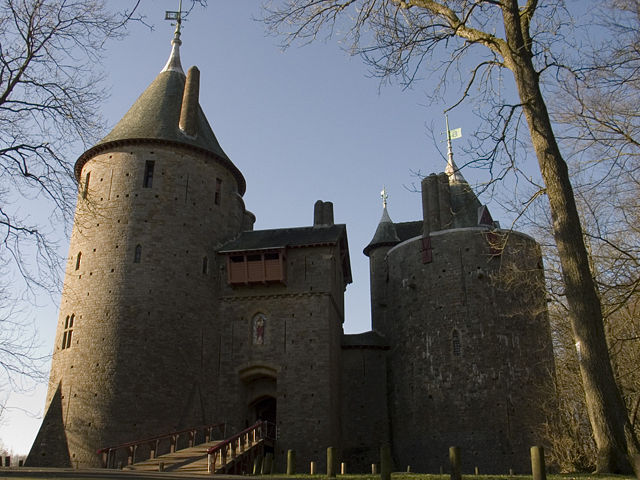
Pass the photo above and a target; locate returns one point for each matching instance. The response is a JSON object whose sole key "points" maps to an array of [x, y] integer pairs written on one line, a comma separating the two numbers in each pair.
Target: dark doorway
{"points": [[265, 409]]}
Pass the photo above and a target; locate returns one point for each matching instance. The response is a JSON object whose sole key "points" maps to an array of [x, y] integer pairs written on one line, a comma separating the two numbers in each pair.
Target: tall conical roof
{"points": [[385, 233], [155, 117]]}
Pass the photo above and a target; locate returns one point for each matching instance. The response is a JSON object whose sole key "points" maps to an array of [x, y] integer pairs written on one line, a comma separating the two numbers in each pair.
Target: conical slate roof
{"points": [[385, 233], [155, 116]]}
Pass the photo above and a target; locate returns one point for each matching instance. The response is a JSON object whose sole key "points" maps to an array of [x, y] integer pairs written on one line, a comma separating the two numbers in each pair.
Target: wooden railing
{"points": [[190, 437], [233, 447]]}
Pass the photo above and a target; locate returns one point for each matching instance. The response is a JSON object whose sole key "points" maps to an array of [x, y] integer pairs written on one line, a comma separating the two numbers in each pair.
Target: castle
{"points": [[176, 312]]}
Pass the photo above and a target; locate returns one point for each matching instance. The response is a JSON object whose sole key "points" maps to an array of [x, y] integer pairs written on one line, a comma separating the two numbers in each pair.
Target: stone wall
{"points": [[300, 353], [138, 361], [365, 417], [471, 360]]}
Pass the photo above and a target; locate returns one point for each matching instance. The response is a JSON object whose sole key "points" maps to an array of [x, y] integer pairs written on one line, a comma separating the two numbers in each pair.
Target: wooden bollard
{"points": [[267, 464], [385, 462], [538, 469], [476, 471], [312, 468], [408, 468], [374, 469], [511, 472], [257, 465], [343, 468], [454, 460], [291, 462], [331, 462]]}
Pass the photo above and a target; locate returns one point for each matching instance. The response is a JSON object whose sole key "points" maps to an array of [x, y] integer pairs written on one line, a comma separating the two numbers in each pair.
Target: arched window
{"points": [[205, 265], [68, 331], [78, 258], [455, 342], [137, 256]]}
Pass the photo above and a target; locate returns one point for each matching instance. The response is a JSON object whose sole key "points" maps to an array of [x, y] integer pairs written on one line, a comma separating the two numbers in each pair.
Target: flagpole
{"points": [[449, 148]]}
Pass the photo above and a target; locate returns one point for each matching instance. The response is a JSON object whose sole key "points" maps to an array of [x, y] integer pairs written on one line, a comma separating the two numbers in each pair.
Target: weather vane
{"points": [[384, 196], [177, 16]]}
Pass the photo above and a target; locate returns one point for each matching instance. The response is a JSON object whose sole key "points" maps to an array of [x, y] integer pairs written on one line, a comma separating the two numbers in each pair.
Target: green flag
{"points": [[455, 133]]}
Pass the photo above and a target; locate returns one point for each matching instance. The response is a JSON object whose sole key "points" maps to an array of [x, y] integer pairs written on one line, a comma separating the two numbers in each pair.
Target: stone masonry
{"points": [[176, 313]]}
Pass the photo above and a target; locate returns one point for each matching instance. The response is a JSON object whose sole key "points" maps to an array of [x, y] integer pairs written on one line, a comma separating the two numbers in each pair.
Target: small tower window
{"points": [[455, 343], [78, 259], [137, 256], [85, 190], [218, 194], [148, 174], [205, 265], [68, 331]]}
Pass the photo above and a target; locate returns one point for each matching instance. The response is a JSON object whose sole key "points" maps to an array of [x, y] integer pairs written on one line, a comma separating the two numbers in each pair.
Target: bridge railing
{"points": [[224, 452], [160, 444]]}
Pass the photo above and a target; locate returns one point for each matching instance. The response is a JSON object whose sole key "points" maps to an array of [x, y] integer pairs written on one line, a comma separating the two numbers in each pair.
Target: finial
{"points": [[452, 169], [384, 196], [173, 64]]}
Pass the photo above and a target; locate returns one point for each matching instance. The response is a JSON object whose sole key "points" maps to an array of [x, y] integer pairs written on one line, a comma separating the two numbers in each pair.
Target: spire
{"points": [[452, 169], [385, 215], [386, 232], [173, 64]]}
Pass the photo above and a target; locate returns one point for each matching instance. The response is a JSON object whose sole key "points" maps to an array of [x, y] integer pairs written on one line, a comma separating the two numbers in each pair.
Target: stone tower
{"points": [[133, 346], [461, 303]]}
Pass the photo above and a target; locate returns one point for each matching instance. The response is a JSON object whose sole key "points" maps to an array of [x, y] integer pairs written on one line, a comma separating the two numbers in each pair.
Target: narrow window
{"points": [[78, 258], [137, 256], [216, 199], [455, 343], [67, 332], [148, 174], [85, 191], [205, 265]]}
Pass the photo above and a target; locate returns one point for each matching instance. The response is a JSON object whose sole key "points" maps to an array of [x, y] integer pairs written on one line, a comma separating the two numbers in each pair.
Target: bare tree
{"points": [[397, 37]]}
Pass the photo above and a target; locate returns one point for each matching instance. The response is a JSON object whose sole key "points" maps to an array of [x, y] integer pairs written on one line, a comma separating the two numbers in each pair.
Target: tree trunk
{"points": [[612, 430]]}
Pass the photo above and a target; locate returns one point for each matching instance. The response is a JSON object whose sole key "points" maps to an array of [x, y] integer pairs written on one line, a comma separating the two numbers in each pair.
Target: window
{"points": [[256, 268], [78, 258], [218, 193], [137, 256], [85, 191], [455, 343], [67, 332], [205, 265], [148, 174]]}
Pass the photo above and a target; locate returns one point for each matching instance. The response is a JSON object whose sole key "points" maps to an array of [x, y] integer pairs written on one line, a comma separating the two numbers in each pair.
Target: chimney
{"points": [[189, 113], [322, 214], [328, 213], [430, 204]]}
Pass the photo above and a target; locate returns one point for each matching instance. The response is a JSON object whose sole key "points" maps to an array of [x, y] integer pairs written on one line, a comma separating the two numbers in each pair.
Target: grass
{"points": [[54, 474]]}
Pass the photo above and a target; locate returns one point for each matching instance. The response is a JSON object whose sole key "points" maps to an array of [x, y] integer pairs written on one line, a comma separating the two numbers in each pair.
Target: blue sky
{"points": [[303, 124]]}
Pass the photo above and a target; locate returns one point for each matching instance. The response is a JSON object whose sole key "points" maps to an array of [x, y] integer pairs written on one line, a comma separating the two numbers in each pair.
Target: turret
{"points": [[384, 238], [134, 350]]}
